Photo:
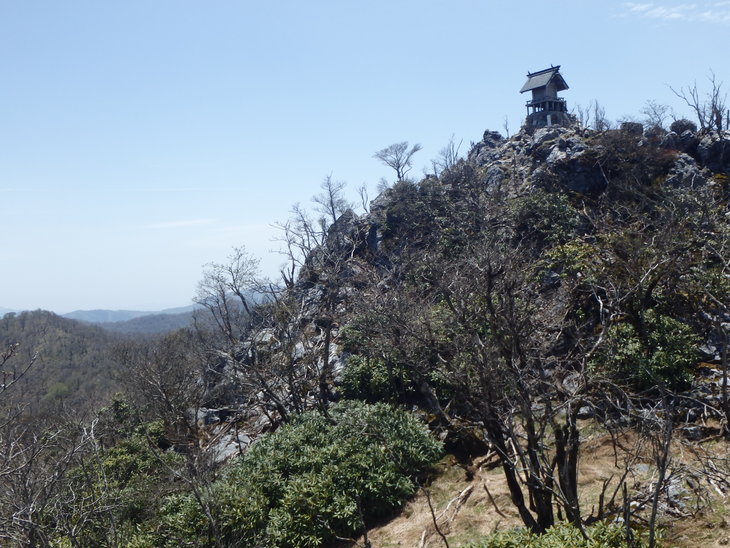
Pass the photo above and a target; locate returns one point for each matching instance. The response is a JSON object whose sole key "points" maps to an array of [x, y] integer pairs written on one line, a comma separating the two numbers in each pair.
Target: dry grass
{"points": [[461, 523], [465, 511]]}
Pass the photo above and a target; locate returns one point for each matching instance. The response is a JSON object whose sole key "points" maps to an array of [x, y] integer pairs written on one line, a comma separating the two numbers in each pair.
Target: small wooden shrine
{"points": [[546, 108]]}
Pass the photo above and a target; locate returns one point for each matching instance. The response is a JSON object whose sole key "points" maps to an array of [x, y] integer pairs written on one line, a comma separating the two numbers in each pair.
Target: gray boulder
{"points": [[492, 139], [713, 152], [544, 135], [685, 142], [486, 150], [685, 173]]}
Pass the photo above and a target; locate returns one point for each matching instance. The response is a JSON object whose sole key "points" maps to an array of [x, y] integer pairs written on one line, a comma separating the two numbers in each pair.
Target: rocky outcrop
{"points": [[685, 172], [487, 149], [685, 141], [713, 152], [576, 159]]}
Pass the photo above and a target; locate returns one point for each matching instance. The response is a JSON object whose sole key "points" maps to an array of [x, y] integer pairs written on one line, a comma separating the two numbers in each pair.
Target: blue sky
{"points": [[142, 139]]}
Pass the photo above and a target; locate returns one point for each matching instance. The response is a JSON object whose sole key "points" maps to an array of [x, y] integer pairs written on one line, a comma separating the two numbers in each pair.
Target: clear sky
{"points": [[140, 139]]}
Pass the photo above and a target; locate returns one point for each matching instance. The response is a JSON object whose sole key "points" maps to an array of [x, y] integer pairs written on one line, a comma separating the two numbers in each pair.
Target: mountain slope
{"points": [[72, 363], [151, 323]]}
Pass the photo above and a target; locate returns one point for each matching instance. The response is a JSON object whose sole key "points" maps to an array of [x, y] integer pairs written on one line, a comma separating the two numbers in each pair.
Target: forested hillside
{"points": [[152, 323], [72, 364], [556, 291], [75, 364]]}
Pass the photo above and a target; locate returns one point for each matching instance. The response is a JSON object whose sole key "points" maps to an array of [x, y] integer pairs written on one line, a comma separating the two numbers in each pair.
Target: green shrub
{"points": [[547, 218], [118, 491], [664, 356], [180, 518], [313, 479], [560, 536], [373, 380]]}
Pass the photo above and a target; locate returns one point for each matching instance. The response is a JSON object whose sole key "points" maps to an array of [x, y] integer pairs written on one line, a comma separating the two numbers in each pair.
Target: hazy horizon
{"points": [[171, 310]]}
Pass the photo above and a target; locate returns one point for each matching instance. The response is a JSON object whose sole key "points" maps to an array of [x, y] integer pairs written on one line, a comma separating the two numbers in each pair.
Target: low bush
{"points": [[560, 536], [312, 480], [373, 380], [546, 218], [663, 356], [682, 125]]}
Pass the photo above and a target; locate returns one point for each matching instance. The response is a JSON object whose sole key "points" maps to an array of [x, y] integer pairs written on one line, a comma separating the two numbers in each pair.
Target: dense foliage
{"points": [[314, 479], [561, 536], [665, 358], [73, 366]]}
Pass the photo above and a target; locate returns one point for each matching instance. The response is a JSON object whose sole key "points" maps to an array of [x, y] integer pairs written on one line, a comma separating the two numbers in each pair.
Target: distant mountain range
{"points": [[151, 324], [130, 321], [137, 321], [110, 316]]}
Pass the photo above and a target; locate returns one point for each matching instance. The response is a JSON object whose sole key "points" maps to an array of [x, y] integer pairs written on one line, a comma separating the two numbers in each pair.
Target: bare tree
{"points": [[331, 201], [86, 507], [318, 248], [484, 324], [593, 116], [711, 110], [10, 371], [600, 121], [717, 308], [582, 114], [166, 379], [300, 234], [362, 192], [277, 351], [33, 464], [662, 455], [226, 292], [398, 157], [236, 330], [656, 114], [35, 459], [304, 232], [447, 158]]}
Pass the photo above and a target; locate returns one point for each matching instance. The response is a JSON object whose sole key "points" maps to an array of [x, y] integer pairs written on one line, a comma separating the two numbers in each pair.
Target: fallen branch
{"points": [[491, 499], [433, 518], [459, 499]]}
